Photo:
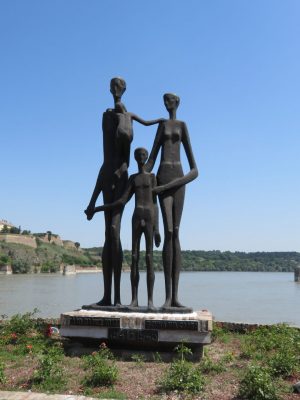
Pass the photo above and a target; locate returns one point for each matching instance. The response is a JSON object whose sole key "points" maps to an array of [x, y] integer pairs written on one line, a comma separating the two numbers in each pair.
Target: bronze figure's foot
{"points": [[151, 306], [175, 303], [167, 304], [104, 302], [134, 303]]}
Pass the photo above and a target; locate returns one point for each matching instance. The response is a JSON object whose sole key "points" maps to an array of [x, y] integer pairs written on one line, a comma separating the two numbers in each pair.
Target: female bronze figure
{"points": [[171, 181]]}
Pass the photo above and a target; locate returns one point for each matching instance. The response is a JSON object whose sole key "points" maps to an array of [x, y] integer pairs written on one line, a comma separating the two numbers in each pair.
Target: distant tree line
{"points": [[199, 260]]}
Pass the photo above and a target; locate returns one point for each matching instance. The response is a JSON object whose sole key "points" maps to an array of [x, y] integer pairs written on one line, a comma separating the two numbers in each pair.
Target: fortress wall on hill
{"points": [[19, 239]]}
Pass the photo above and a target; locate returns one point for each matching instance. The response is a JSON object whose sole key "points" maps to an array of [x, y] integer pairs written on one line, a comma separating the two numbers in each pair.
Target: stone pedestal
{"points": [[133, 332]]}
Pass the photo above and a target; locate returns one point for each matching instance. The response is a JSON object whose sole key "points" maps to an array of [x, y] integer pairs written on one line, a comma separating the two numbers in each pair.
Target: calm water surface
{"points": [[255, 297]]}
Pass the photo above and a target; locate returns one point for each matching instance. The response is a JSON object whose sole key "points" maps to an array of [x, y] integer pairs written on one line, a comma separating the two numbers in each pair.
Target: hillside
{"points": [[48, 257], [45, 257]]}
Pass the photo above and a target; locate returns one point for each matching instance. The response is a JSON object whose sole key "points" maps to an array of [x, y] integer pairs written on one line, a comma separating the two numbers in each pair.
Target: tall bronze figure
{"points": [[112, 180], [171, 181]]}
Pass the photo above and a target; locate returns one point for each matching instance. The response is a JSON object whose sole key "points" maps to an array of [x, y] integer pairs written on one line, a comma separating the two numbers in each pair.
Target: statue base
{"points": [[139, 309], [127, 333]]}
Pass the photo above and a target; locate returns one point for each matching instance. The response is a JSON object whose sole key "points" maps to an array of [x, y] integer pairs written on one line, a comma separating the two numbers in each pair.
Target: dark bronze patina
{"points": [[117, 189], [112, 180]]}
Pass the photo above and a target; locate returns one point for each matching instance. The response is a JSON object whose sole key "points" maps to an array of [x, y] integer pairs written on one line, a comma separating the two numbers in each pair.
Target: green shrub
{"points": [[283, 362], [208, 366], [228, 358], [267, 338], [263, 342], [20, 324], [49, 374], [220, 333], [2, 375], [102, 369], [257, 384], [50, 266], [4, 260], [182, 375], [20, 266]]}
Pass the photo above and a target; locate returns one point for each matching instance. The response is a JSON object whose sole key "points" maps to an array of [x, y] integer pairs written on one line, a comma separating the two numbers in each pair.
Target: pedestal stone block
{"points": [[138, 331]]}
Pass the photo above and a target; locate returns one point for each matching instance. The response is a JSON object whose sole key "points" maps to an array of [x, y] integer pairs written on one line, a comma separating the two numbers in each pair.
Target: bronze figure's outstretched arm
{"points": [[146, 123], [120, 202], [155, 149]]}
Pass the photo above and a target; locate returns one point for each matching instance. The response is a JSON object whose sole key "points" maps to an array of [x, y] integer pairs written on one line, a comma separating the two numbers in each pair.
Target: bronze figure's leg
{"points": [[166, 205], [106, 267], [116, 253], [177, 213], [149, 263], [134, 274]]}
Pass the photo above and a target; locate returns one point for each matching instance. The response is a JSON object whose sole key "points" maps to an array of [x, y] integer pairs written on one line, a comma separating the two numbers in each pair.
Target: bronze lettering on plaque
{"points": [[133, 335], [95, 321], [189, 325]]}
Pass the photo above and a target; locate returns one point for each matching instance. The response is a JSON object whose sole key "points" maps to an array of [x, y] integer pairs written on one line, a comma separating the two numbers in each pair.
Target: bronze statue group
{"points": [[117, 189]]}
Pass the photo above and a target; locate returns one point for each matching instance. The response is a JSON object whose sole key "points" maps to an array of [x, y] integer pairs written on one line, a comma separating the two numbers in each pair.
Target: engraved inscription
{"points": [[95, 321], [189, 325], [133, 335]]}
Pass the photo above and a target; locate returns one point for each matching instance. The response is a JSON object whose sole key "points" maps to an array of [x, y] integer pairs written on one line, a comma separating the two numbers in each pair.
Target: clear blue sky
{"points": [[235, 64]]}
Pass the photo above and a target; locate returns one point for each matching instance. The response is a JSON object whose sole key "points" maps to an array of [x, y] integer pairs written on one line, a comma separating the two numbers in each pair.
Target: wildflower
{"points": [[13, 338], [29, 347], [48, 331]]}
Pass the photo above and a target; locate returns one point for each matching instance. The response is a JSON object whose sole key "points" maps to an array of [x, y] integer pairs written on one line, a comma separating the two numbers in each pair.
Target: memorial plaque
{"points": [[90, 321], [172, 325], [133, 335]]}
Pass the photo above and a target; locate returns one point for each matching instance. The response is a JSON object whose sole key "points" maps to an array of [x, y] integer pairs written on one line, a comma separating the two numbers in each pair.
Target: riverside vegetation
{"points": [[49, 257], [258, 365]]}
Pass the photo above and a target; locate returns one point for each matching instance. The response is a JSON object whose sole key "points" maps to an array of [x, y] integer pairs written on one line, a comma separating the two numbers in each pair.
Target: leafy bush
{"points": [[101, 367], [25, 333], [50, 266], [220, 333], [182, 375], [49, 374], [20, 324], [283, 362], [2, 375], [4, 260], [208, 366], [228, 358], [20, 266], [267, 340], [257, 384]]}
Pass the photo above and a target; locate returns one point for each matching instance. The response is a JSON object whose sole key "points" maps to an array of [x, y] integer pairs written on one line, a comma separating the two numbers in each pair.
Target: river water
{"points": [[253, 297]]}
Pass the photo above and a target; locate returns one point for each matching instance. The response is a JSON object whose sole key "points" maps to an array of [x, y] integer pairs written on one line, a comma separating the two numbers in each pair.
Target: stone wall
{"points": [[241, 327], [27, 240], [68, 244], [5, 270], [54, 239]]}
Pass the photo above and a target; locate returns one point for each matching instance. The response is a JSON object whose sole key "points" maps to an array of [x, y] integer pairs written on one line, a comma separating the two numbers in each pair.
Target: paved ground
{"points": [[40, 396]]}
